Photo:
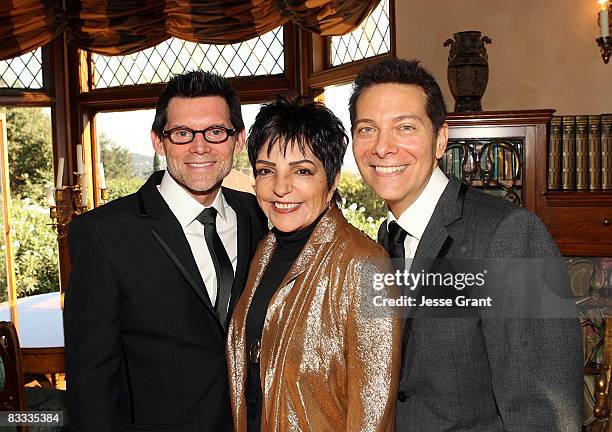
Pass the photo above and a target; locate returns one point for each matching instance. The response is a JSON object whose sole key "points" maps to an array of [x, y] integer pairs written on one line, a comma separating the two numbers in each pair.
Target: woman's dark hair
{"points": [[400, 71], [197, 84], [303, 123]]}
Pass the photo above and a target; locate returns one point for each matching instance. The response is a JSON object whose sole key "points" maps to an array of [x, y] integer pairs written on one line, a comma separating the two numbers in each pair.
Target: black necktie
{"points": [[222, 263], [397, 235]]}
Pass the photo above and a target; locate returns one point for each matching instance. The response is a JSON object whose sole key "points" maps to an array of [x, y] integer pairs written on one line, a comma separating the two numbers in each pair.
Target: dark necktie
{"points": [[223, 266], [397, 235]]}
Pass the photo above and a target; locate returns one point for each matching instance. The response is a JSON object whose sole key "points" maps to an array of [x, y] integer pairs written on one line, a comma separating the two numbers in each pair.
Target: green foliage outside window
{"points": [[361, 207], [30, 171]]}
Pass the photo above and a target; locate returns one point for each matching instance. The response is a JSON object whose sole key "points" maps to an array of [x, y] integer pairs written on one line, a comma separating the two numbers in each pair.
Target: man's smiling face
{"points": [[199, 166], [394, 143]]}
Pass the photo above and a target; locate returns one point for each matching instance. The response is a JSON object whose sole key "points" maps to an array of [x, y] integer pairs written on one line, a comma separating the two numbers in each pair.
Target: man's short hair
{"points": [[197, 84], [400, 71], [303, 123]]}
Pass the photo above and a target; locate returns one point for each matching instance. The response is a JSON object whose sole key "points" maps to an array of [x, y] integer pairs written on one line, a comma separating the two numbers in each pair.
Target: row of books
{"points": [[580, 153]]}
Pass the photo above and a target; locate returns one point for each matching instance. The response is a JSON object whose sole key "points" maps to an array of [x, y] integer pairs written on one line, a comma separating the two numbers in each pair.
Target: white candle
{"points": [[101, 176], [84, 190], [60, 173], [79, 155], [50, 194], [604, 23]]}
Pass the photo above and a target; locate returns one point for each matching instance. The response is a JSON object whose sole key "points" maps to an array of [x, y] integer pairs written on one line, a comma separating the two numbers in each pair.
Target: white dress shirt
{"points": [[416, 217], [186, 209]]}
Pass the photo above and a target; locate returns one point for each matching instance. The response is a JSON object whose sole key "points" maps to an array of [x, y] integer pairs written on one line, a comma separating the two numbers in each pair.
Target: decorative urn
{"points": [[468, 69]]}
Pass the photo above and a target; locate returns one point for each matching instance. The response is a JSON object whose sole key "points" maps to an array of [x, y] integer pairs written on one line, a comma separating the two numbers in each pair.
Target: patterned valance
{"points": [[114, 27]]}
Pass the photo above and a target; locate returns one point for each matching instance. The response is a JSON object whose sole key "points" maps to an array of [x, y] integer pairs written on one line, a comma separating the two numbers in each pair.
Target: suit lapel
{"points": [[167, 231], [434, 244], [436, 239], [244, 245]]}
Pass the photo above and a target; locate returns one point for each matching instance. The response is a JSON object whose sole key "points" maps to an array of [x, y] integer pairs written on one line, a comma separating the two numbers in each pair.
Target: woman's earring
{"points": [[329, 205]]}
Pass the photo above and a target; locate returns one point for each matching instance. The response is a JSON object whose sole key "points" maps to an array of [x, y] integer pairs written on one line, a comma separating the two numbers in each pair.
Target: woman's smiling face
{"points": [[291, 188]]}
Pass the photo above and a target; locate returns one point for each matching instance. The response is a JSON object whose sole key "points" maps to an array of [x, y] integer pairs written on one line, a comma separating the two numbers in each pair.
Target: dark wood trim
{"points": [[47, 57], [121, 98], [580, 249], [319, 58], [291, 48], [578, 199], [541, 116], [305, 58], [342, 74], [250, 89], [260, 89], [25, 98]]}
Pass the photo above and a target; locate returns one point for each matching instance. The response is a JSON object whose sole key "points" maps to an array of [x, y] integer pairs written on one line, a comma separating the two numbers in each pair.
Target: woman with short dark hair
{"points": [[301, 353]]}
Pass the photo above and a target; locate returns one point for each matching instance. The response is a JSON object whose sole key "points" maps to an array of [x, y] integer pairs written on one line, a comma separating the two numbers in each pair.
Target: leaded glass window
{"points": [[263, 55], [22, 72], [371, 38]]}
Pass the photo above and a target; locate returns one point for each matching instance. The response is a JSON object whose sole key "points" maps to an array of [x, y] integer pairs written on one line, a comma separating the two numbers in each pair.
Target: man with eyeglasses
{"points": [[155, 276]]}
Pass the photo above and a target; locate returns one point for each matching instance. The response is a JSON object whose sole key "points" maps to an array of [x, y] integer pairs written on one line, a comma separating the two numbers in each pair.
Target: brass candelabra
{"points": [[68, 204]]}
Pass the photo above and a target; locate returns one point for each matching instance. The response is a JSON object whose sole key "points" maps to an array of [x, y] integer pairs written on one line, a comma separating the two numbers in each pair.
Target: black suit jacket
{"points": [[487, 373], [144, 347]]}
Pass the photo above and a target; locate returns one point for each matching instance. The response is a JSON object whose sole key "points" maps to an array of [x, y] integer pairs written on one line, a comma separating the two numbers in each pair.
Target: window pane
{"points": [[23, 72], [241, 160], [241, 177], [371, 38], [30, 172], [263, 55], [336, 98], [360, 205], [126, 151]]}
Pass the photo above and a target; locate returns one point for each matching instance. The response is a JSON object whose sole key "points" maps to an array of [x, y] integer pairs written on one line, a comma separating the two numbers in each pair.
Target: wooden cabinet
{"points": [[580, 222]]}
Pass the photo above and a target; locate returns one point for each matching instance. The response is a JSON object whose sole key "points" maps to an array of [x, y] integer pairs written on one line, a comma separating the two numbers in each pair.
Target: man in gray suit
{"points": [[459, 374]]}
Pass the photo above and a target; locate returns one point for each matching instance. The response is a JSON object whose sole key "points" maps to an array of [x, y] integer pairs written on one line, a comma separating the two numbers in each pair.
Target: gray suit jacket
{"points": [[488, 374]]}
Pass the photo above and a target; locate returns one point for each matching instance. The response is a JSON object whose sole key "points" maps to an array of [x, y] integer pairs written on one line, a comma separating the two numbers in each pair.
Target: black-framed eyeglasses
{"points": [[212, 134]]}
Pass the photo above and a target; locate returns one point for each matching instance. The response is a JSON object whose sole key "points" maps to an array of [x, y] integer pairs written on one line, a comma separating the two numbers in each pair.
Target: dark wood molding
{"points": [[261, 89], [143, 96], [25, 98], [581, 249], [540, 116], [342, 74], [121, 98], [578, 199], [291, 48]]}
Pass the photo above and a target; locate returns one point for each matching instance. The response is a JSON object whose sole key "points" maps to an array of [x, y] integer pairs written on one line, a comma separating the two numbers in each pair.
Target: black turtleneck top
{"points": [[288, 247]]}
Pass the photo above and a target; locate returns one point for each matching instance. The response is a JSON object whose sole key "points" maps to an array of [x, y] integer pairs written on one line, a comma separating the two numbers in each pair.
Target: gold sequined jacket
{"points": [[325, 365]]}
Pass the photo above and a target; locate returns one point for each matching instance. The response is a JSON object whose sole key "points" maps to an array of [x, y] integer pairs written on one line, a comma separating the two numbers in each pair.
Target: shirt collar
{"points": [[184, 206], [416, 217]]}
